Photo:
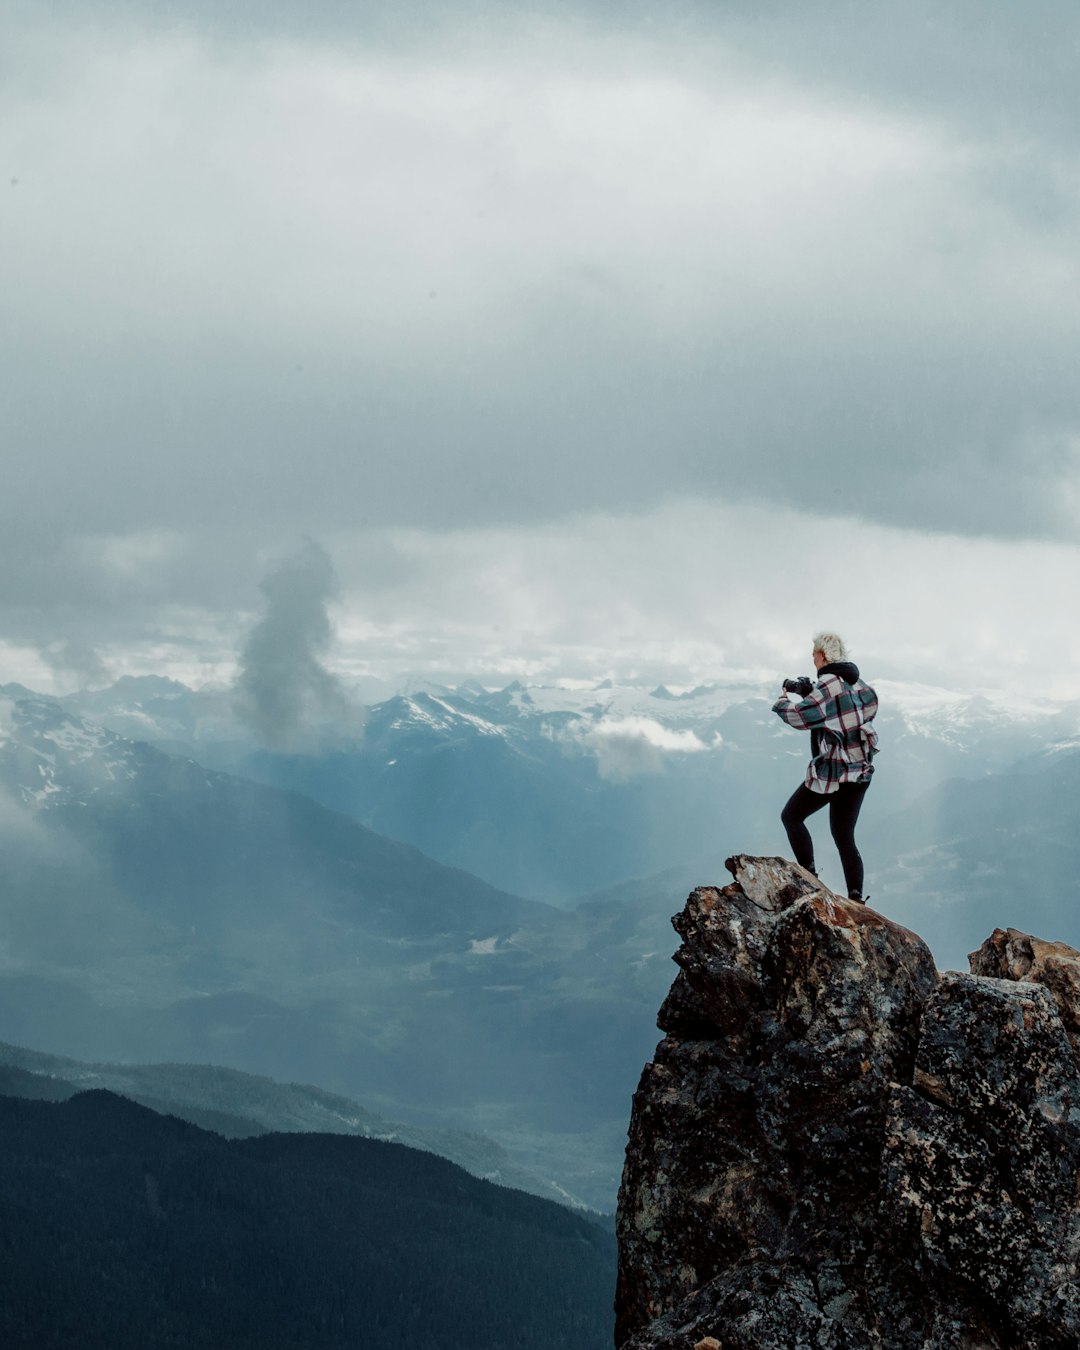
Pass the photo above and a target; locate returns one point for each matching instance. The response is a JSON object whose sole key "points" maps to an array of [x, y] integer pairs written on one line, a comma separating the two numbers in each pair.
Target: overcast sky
{"points": [[628, 339]]}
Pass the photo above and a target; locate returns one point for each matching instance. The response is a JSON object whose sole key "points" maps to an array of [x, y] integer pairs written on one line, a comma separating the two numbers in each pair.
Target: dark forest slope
{"points": [[122, 1228]]}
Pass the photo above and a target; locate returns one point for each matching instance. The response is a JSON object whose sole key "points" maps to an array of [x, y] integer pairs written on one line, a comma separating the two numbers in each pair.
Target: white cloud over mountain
{"points": [[628, 746]]}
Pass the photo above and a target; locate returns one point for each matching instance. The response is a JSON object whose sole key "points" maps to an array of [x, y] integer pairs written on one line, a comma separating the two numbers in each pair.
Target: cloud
{"points": [[472, 284], [692, 592], [72, 657], [284, 692], [626, 747], [484, 274], [686, 593]]}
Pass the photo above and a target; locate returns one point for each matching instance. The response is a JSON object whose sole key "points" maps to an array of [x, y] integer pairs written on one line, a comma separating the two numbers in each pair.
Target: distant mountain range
{"points": [[162, 906], [124, 1228], [553, 792]]}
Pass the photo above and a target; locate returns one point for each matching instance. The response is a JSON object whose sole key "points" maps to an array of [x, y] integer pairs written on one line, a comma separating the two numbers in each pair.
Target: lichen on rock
{"points": [[835, 1148]]}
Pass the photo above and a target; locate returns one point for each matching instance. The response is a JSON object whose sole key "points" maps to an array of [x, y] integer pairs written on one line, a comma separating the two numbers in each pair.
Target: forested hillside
{"points": [[121, 1228]]}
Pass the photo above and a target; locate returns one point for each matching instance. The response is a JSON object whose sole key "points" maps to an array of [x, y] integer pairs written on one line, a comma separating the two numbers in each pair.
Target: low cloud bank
{"points": [[627, 747]]}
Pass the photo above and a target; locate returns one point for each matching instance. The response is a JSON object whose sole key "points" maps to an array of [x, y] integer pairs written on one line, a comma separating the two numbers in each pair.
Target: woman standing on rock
{"points": [[838, 712]]}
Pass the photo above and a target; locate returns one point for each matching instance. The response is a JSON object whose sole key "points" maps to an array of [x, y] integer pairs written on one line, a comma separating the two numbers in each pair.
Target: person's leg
{"points": [[800, 804], [843, 813]]}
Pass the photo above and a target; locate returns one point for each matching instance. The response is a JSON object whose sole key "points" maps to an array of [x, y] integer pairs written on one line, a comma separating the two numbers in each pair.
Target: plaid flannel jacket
{"points": [[840, 716]]}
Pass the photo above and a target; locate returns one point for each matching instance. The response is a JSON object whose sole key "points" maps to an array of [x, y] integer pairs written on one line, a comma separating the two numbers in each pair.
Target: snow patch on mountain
{"points": [[480, 724], [965, 719], [1066, 746], [49, 756], [80, 740], [437, 714]]}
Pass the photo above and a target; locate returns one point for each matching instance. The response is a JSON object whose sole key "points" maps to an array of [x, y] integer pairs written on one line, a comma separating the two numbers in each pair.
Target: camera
{"points": [[800, 686]]}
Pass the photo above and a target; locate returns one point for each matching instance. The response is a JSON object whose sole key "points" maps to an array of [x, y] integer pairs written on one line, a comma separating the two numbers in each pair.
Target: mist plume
{"points": [[76, 658], [284, 692]]}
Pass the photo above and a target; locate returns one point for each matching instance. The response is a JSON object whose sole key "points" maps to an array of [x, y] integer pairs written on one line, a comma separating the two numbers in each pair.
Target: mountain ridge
{"points": [[126, 1228], [239, 1105]]}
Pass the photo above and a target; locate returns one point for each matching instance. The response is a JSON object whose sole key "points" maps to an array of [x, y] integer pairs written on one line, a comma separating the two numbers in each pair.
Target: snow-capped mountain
{"points": [[156, 709], [49, 757], [555, 790]]}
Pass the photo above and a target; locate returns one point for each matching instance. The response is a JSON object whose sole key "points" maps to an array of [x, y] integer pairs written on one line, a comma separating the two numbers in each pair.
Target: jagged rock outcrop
{"points": [[1008, 954], [835, 1148]]}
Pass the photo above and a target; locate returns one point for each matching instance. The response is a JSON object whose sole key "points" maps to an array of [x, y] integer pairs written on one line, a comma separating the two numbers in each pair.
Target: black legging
{"points": [[844, 806]]}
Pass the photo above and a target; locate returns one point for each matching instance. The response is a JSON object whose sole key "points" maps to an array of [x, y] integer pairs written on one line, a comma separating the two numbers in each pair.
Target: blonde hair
{"points": [[831, 645]]}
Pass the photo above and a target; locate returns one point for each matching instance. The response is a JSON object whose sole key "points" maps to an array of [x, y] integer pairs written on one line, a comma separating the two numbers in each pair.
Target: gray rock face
{"points": [[835, 1149], [1012, 955]]}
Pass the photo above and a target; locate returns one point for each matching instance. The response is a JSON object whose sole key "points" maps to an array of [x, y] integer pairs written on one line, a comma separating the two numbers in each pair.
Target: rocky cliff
{"points": [[835, 1148]]}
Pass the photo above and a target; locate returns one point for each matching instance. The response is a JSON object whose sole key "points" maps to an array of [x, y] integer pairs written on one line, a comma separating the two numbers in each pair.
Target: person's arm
{"points": [[808, 713]]}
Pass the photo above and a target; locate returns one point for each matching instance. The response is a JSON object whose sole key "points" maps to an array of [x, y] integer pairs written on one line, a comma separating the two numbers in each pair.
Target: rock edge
{"points": [[836, 1148]]}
